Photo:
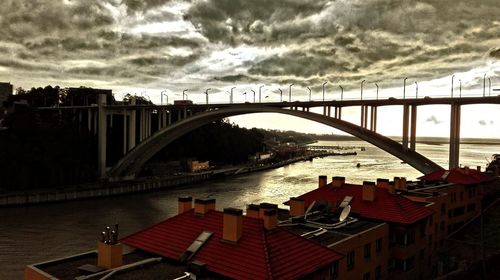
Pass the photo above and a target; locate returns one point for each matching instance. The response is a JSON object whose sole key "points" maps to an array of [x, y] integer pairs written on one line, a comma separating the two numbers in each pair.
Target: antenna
{"points": [[345, 213], [309, 209]]}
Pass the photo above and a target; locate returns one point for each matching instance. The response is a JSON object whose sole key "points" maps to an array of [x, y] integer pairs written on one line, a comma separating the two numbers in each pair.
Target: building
{"points": [[379, 202], [197, 166], [208, 243], [6, 90]]}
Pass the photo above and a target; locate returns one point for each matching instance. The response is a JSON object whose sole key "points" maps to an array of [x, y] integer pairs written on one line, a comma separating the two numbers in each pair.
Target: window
{"points": [[404, 265], [403, 238], [378, 245], [366, 276], [471, 208], [350, 260], [443, 209], [459, 211], [367, 250], [334, 270], [378, 273]]}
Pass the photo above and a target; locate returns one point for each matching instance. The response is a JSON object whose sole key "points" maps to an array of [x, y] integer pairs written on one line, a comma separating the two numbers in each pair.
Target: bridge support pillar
{"points": [[362, 121], [406, 118], [413, 128], [89, 120], [150, 124], [132, 126], [101, 136], [454, 136], [141, 125], [373, 118], [324, 110], [338, 113]]}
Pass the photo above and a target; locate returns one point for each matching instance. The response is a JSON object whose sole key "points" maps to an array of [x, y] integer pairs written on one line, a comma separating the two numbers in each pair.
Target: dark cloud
{"points": [[433, 119], [236, 78], [495, 53]]}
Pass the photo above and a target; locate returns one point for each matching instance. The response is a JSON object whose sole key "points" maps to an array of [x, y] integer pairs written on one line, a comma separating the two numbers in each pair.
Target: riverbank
{"points": [[105, 189]]}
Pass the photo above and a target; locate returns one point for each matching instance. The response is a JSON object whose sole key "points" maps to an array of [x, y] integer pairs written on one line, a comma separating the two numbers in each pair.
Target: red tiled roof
{"points": [[386, 206], [259, 254], [458, 176]]}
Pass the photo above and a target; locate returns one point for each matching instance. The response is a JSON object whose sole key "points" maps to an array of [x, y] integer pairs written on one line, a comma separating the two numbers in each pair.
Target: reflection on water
{"points": [[36, 233]]}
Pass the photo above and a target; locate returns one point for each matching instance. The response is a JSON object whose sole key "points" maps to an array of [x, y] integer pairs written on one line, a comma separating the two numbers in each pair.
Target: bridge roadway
{"points": [[176, 120]]}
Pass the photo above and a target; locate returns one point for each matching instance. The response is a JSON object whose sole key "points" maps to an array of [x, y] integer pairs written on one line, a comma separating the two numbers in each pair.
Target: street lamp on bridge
{"points": [[309, 93], [290, 93], [362, 82], [453, 76], [460, 88], [416, 89], [206, 93], [253, 91], [324, 90], [404, 87], [484, 85], [184, 94], [377, 89], [245, 94], [281, 95], [341, 92], [161, 96], [260, 93], [489, 87], [231, 95]]}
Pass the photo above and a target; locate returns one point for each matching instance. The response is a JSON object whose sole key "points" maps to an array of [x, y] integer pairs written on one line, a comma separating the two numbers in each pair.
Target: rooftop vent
{"points": [[195, 246]]}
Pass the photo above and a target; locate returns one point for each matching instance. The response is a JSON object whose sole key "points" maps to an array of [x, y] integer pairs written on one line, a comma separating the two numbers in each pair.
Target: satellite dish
{"points": [[345, 213], [309, 209]]}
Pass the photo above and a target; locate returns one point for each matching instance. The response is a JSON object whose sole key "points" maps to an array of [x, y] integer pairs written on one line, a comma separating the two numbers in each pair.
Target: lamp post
{"points": [[309, 93], [253, 95], [260, 93], [404, 87], [281, 95], [341, 92], [290, 93], [460, 88], [161, 96], [206, 93], [324, 90], [489, 87], [453, 76], [416, 89], [484, 85], [362, 82], [184, 94], [231, 95], [245, 94], [377, 89]]}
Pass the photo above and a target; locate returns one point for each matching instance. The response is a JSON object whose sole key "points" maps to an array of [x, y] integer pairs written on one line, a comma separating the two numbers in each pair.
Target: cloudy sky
{"points": [[147, 46]]}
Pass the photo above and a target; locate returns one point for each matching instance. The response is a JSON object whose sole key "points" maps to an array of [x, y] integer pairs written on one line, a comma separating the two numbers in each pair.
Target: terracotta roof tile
{"points": [[458, 176], [386, 206], [259, 254]]}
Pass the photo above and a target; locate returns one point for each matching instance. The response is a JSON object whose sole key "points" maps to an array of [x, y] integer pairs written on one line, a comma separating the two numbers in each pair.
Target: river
{"points": [[40, 232]]}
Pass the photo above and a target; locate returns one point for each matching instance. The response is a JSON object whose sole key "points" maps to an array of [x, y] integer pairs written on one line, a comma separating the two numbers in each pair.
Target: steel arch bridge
{"points": [[132, 161]]}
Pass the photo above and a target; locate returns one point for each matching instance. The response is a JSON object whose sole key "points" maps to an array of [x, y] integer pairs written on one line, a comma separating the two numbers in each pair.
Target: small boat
{"points": [[358, 165]]}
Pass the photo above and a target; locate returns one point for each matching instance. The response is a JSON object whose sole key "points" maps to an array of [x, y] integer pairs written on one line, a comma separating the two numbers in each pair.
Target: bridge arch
{"points": [[132, 162]]}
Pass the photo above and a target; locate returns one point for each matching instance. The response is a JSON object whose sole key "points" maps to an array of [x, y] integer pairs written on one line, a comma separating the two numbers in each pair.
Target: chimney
{"points": [[322, 181], [253, 211], [184, 204], [338, 181], [270, 219], [203, 205], [478, 168], [384, 184], [368, 191], [109, 250], [297, 207], [266, 206], [232, 224]]}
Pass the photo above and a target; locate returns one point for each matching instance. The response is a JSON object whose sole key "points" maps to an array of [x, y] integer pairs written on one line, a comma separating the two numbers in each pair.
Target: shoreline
{"points": [[139, 185]]}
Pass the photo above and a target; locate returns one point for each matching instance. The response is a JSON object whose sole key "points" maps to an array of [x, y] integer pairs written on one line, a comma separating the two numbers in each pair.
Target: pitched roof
{"points": [[259, 254], [461, 176], [385, 207]]}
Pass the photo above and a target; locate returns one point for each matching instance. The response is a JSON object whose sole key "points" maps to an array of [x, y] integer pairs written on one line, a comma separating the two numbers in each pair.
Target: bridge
{"points": [[147, 129]]}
